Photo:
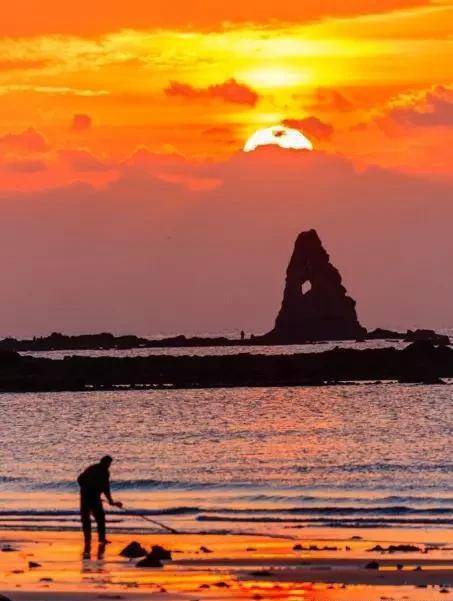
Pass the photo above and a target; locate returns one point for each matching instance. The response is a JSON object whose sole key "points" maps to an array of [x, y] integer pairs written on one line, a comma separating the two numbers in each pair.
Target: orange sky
{"points": [[108, 79], [144, 101]]}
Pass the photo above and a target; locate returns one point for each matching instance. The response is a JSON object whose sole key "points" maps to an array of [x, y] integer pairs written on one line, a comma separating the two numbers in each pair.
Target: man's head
{"points": [[106, 461]]}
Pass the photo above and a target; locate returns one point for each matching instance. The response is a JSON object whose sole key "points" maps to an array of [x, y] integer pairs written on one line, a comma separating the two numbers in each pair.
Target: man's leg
{"points": [[99, 516], [86, 522]]}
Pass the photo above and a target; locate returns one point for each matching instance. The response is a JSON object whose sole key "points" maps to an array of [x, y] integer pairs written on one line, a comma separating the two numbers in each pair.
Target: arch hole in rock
{"points": [[306, 287]]}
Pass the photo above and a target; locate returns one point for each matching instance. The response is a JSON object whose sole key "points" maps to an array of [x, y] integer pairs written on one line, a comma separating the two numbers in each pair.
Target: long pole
{"points": [[147, 519]]}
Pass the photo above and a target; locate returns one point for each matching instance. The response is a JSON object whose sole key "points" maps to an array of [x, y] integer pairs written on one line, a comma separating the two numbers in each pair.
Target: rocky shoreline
{"points": [[420, 362]]}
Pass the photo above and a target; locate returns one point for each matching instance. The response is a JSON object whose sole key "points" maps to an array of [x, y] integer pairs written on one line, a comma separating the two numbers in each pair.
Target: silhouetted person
{"points": [[94, 482], [242, 335]]}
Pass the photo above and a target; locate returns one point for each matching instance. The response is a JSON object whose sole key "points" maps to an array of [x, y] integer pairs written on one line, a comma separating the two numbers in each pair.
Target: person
{"points": [[94, 482]]}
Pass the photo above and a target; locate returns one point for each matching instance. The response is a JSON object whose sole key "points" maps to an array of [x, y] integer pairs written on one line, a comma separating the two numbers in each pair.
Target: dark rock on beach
{"points": [[155, 557], [161, 553], [149, 562], [133, 550], [34, 564]]}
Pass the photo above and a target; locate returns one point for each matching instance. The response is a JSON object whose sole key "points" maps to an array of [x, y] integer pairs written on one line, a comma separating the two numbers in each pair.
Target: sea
{"points": [[261, 460]]}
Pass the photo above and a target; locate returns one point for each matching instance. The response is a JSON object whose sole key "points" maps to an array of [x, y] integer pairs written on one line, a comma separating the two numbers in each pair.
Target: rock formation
{"points": [[315, 304]]}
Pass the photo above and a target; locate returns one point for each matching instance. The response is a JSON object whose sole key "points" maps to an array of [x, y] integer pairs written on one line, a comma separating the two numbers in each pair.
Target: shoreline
{"points": [[217, 566]]}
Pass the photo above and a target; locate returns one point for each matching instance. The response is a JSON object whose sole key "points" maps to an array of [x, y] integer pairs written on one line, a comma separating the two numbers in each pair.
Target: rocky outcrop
{"points": [[409, 336], [315, 304], [420, 362]]}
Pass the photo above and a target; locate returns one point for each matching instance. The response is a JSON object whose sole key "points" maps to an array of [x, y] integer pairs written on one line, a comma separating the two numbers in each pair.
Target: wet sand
{"points": [[235, 567]]}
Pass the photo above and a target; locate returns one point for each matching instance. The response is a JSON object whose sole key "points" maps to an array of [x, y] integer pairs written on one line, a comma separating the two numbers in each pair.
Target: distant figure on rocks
{"points": [[94, 482], [242, 335]]}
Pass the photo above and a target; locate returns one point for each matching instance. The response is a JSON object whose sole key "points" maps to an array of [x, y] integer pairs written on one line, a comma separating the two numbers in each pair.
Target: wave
{"points": [[329, 522], [250, 512], [375, 467]]}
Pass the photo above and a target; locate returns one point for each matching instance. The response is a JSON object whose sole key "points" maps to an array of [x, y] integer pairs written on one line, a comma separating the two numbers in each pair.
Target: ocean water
{"points": [[267, 460], [201, 351]]}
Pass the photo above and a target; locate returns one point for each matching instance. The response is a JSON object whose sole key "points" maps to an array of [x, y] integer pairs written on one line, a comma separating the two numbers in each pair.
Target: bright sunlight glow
{"points": [[278, 135]]}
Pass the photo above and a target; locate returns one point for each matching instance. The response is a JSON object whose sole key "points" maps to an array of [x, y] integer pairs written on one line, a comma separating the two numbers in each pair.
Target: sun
{"points": [[278, 135]]}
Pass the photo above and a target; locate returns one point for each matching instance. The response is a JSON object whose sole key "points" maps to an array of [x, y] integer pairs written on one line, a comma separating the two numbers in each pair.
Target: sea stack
{"points": [[315, 304]]}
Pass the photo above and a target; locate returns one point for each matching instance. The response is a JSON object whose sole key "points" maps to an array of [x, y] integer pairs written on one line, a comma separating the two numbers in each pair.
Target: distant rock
{"points": [[315, 304], [409, 336], [373, 565], [133, 550], [426, 335]]}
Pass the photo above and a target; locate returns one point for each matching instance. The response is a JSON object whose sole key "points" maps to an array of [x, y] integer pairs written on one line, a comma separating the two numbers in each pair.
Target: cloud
{"points": [[81, 122], [327, 99], [228, 91], [311, 127], [23, 64], [151, 256], [24, 166], [86, 17], [431, 108], [28, 140], [83, 161]]}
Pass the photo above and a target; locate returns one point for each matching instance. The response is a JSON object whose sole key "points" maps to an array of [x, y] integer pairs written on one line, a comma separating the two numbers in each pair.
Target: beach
{"points": [[231, 567], [289, 490]]}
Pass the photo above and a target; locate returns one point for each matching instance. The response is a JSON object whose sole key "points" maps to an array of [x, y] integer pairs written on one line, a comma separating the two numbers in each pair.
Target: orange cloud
{"points": [[432, 108], [83, 161], [312, 127], [228, 91], [325, 99], [81, 122], [31, 17], [24, 166], [29, 140], [23, 64]]}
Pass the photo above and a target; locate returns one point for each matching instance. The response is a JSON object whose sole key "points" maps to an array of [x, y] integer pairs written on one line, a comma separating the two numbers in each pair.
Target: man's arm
{"points": [[108, 494]]}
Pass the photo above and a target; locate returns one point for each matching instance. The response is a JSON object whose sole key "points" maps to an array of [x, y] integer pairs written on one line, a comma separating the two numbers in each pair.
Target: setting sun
{"points": [[278, 135]]}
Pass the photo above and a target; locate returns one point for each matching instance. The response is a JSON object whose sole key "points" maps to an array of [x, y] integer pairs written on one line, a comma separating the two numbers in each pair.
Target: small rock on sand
{"points": [[155, 557], [133, 550], [33, 564], [160, 553], [149, 562]]}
